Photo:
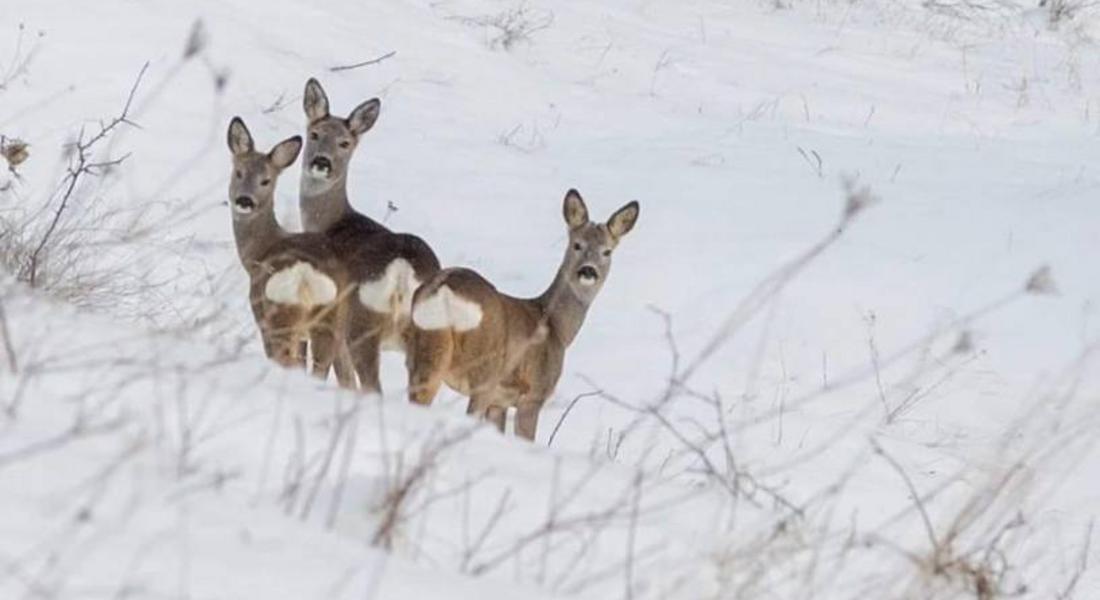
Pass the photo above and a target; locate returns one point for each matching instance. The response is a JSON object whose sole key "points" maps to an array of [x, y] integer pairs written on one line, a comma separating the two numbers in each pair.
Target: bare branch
{"points": [[561, 419], [80, 165], [365, 63], [912, 491], [9, 348]]}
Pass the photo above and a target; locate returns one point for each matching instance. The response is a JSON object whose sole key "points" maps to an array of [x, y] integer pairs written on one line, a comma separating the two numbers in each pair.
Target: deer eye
{"points": [[239, 175], [577, 246], [345, 144], [607, 252], [265, 182], [313, 136]]}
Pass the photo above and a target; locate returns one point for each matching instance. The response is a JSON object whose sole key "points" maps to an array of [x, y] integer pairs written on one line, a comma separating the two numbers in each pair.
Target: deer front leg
{"points": [[269, 346], [265, 337], [491, 405], [479, 404]]}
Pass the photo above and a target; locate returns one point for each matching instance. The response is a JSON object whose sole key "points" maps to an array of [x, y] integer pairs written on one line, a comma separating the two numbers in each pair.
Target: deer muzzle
{"points": [[320, 167], [244, 204], [588, 275]]}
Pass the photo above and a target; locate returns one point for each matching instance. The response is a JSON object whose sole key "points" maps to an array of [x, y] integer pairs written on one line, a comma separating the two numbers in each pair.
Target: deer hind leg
{"points": [[331, 352], [282, 340], [527, 419], [427, 357], [301, 353], [344, 366], [323, 344], [496, 415], [364, 344], [285, 350], [328, 347]]}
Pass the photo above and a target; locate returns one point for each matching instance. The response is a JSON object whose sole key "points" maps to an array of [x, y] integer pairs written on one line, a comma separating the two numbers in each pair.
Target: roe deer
{"points": [[503, 351], [387, 267], [297, 286]]}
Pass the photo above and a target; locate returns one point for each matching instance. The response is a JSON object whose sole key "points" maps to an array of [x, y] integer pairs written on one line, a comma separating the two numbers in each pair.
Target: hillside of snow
{"points": [[849, 351]]}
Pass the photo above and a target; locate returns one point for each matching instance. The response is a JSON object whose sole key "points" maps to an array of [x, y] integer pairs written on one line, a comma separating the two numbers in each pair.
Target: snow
{"points": [[733, 125]]}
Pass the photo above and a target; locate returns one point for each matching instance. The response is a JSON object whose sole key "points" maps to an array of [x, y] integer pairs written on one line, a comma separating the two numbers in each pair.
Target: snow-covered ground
{"points": [[756, 407]]}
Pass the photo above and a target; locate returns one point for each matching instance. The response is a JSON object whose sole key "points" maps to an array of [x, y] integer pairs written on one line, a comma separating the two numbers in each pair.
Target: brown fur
{"points": [[265, 249], [514, 357], [365, 246]]}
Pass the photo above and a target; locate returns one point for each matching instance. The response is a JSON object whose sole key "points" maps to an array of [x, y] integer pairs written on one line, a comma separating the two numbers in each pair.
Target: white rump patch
{"points": [[392, 292], [446, 310], [300, 284]]}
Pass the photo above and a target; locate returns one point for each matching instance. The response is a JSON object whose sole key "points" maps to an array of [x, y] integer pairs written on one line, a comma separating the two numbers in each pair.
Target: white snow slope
{"points": [[769, 399]]}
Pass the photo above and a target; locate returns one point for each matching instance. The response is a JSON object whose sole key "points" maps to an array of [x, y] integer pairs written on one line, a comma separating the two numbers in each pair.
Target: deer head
{"points": [[252, 183], [588, 257], [331, 140]]}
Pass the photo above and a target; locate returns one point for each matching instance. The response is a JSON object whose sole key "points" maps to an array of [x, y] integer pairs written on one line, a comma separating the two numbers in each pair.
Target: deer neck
{"points": [[562, 309], [255, 235], [320, 211]]}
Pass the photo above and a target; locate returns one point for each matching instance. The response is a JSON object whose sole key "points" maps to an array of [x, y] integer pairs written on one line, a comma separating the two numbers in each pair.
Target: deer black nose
{"points": [[244, 203], [321, 163], [588, 272]]}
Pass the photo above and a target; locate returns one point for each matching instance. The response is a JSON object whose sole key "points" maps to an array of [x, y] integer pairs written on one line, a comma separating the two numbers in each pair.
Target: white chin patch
{"points": [[587, 281], [316, 181]]}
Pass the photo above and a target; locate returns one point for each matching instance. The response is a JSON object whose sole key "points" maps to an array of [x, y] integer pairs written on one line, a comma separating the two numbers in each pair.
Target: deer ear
{"points": [[363, 117], [314, 101], [623, 220], [240, 141], [574, 210], [285, 152]]}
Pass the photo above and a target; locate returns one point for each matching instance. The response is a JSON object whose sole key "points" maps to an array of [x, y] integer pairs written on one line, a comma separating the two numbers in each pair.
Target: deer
{"points": [[386, 267], [297, 285], [507, 352]]}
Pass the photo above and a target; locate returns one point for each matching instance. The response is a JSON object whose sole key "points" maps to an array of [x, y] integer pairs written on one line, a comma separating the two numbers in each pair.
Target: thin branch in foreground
{"points": [[1082, 566], [561, 419], [81, 164], [393, 508], [365, 63], [873, 348], [512, 26], [20, 61], [631, 533], [912, 490], [9, 348], [856, 199]]}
